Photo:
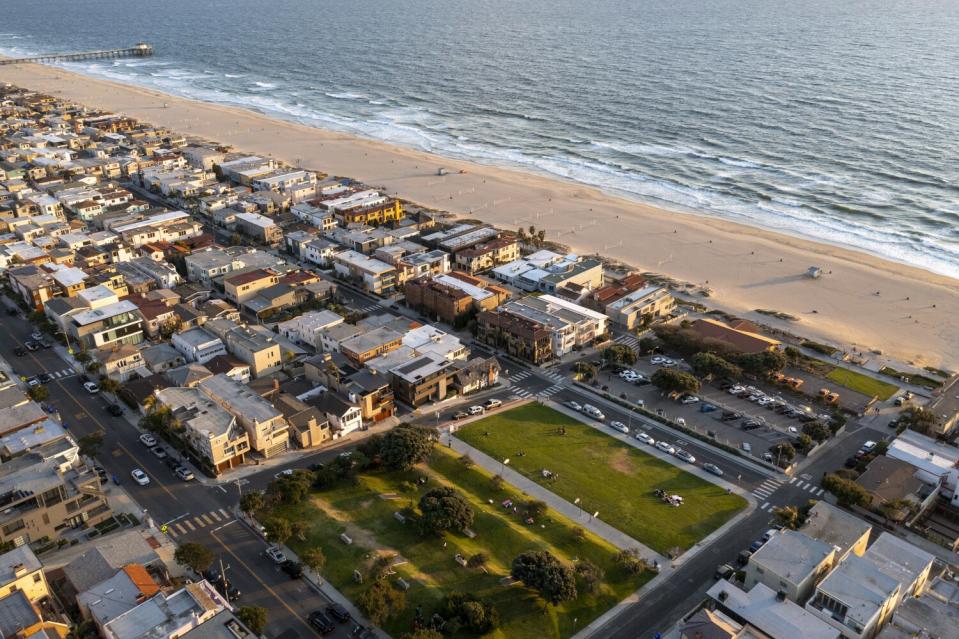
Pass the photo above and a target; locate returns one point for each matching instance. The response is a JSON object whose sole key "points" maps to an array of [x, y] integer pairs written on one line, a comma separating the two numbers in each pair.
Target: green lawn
{"points": [[361, 512], [606, 475], [863, 383]]}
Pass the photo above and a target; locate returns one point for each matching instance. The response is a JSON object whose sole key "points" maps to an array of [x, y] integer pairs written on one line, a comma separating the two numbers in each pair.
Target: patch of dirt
{"points": [[622, 462]]}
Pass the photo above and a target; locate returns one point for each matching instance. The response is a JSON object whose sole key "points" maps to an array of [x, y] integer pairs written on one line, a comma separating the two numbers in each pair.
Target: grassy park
{"points": [[605, 474], [365, 507], [864, 384]]}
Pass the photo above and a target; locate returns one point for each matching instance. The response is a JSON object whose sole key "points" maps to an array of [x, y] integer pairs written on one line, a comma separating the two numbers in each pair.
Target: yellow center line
{"points": [[262, 583]]}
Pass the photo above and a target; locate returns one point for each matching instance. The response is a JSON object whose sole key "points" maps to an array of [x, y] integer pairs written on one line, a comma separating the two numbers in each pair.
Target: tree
{"points": [[109, 385], [89, 445], [196, 556], [817, 430], [535, 508], [787, 517], [299, 528], [407, 445], [314, 559], [784, 452], [620, 354], [251, 502], [711, 364], [671, 380], [477, 560], [82, 356], [381, 601], [443, 509], [584, 371], [253, 617], [589, 574], [38, 393], [847, 492], [292, 489], [647, 345], [630, 560], [472, 613], [541, 571], [762, 363], [278, 529], [804, 442], [919, 420]]}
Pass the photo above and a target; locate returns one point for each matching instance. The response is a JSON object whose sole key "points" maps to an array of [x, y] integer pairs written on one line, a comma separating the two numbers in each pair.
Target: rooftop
{"points": [[792, 555], [195, 410], [861, 586], [761, 608], [238, 399], [899, 559], [83, 318], [836, 527], [15, 558]]}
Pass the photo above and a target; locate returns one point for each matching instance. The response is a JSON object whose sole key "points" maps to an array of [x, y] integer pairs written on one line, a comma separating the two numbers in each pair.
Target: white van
{"points": [[747, 447], [593, 412]]}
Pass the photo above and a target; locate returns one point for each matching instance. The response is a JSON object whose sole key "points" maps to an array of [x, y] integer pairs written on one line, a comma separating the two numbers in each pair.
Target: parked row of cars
{"points": [[179, 470], [776, 404], [589, 410]]}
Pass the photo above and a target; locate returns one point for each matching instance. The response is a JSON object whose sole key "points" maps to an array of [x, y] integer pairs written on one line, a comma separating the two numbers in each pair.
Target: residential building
{"points": [[343, 416], [892, 485], [119, 361], [245, 285], [453, 297], [207, 264], [791, 563], [547, 271], [212, 432], [428, 378], [429, 339], [936, 463], [168, 615], [198, 345], [260, 351], [569, 324], [307, 328], [309, 426], [762, 608], [907, 564], [519, 337], [231, 367], [423, 264], [162, 357], [373, 275], [20, 570], [34, 285], [260, 228], [163, 273], [110, 325], [365, 346], [21, 619], [856, 598], [836, 527], [267, 430], [125, 590], [641, 307], [43, 497], [475, 375], [489, 255]]}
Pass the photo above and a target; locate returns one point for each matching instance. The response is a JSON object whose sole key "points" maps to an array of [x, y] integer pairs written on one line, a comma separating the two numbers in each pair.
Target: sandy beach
{"points": [[914, 317]]}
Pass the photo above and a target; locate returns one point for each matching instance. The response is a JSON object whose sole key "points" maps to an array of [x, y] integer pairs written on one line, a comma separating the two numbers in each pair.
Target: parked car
{"points": [[747, 447], [665, 447], [45, 378], [476, 410], [322, 623], [689, 399], [338, 612], [708, 408], [713, 468], [36, 335], [115, 410], [620, 426], [869, 446], [274, 553], [492, 403], [32, 381], [593, 412], [756, 545], [101, 473], [293, 568], [646, 439], [743, 558], [148, 440], [19, 352], [91, 388], [184, 473], [44, 342], [574, 405], [158, 452], [139, 477], [460, 414], [685, 456], [31, 346], [724, 571]]}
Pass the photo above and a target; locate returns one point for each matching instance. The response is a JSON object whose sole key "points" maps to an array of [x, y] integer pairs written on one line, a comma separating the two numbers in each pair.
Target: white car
{"points": [[689, 399], [575, 406], [646, 439], [274, 553], [793, 430], [476, 410], [139, 477], [91, 388], [620, 426], [668, 363], [36, 336], [686, 457], [656, 359], [868, 446], [593, 412], [666, 447], [148, 440], [492, 403]]}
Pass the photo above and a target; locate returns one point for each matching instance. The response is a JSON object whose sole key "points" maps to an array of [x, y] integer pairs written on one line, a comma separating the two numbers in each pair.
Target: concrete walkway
{"points": [[578, 515]]}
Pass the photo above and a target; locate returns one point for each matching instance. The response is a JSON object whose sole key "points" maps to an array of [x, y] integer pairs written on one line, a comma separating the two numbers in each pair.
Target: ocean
{"points": [[835, 121]]}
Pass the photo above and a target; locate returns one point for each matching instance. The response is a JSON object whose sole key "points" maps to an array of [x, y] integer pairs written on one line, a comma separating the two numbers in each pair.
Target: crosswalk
{"points": [[371, 308], [552, 390], [522, 393], [520, 375], [809, 487], [192, 523], [553, 375], [627, 340], [62, 374], [767, 488]]}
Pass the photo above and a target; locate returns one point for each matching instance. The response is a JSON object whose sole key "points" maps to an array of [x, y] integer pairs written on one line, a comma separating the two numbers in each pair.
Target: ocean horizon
{"points": [[832, 123]]}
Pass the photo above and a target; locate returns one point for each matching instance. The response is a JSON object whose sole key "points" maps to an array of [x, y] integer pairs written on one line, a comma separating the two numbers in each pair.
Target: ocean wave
{"points": [[346, 95], [265, 85]]}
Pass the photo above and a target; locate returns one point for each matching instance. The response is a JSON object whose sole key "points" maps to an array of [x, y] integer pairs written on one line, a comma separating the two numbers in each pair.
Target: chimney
{"points": [[780, 596], [19, 570], [276, 385]]}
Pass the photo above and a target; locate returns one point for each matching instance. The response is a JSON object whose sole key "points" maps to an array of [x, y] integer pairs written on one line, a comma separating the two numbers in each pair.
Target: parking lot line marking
{"points": [[186, 522]]}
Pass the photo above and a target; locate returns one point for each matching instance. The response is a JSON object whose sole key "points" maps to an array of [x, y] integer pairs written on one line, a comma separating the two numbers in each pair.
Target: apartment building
{"points": [[423, 264], [547, 271], [641, 307], [106, 326], [240, 287], [428, 378], [308, 327], [321, 218], [21, 571], [206, 264], [260, 351], [791, 563], [198, 345], [761, 612], [265, 426], [856, 598], [372, 274], [211, 431], [489, 255], [41, 498], [259, 227], [520, 337], [34, 285], [365, 346], [569, 324]]}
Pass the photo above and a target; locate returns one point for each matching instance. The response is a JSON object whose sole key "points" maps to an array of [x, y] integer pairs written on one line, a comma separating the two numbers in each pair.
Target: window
{"points": [[37, 577]]}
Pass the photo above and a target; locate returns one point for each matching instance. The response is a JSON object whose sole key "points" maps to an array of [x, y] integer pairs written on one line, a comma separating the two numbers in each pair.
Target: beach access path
{"points": [[914, 316]]}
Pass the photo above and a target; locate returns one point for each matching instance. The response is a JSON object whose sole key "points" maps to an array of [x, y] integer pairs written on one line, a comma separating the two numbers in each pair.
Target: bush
{"points": [[817, 431], [444, 509], [919, 420], [761, 364], [253, 617], [589, 574], [381, 601], [784, 452], [472, 613], [541, 571], [630, 561], [847, 492], [672, 380], [711, 364], [477, 560]]}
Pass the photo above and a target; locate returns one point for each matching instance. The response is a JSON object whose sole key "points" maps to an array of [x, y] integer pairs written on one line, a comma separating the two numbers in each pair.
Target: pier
{"points": [[141, 50]]}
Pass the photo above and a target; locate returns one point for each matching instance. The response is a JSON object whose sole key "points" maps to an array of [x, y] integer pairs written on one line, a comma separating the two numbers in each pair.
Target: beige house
{"points": [[212, 431], [259, 351], [791, 563], [240, 287], [21, 570], [641, 307], [268, 430]]}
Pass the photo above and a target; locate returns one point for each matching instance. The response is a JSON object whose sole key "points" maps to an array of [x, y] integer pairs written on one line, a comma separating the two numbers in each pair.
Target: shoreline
{"points": [[747, 267]]}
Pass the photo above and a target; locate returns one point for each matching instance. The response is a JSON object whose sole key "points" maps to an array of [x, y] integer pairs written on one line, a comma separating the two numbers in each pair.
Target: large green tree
{"points": [[472, 613], [620, 354], [278, 529], [196, 556], [672, 380], [919, 420], [711, 364], [407, 445], [762, 363], [543, 572], [253, 617], [847, 491], [380, 601], [443, 509]]}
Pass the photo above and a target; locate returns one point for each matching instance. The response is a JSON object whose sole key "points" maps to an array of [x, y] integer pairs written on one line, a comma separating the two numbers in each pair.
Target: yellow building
{"points": [[391, 211], [21, 570]]}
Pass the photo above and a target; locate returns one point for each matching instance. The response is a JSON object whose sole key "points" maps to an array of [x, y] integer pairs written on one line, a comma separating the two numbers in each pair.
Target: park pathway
{"points": [[580, 517]]}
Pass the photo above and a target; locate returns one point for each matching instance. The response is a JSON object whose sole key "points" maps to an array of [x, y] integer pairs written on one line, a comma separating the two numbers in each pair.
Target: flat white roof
{"points": [[760, 608], [473, 291], [256, 219], [635, 296], [575, 308], [160, 218], [364, 262], [104, 312]]}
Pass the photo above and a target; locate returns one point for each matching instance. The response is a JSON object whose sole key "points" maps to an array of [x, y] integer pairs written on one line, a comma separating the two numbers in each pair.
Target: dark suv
{"points": [[338, 612], [322, 623]]}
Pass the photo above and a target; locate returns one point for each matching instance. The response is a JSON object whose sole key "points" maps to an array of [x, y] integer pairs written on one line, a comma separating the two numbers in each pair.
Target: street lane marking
{"points": [[186, 522], [764, 506], [791, 481], [224, 513], [215, 516], [199, 522], [262, 583], [180, 528], [207, 519]]}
